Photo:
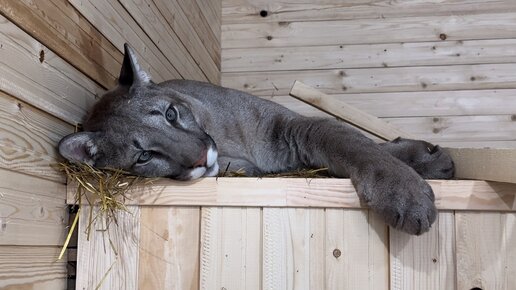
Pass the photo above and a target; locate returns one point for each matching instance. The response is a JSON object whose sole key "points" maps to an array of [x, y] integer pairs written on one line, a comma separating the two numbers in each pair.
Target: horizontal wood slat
{"points": [[369, 31], [248, 11], [299, 192], [31, 268], [378, 80], [369, 55]]}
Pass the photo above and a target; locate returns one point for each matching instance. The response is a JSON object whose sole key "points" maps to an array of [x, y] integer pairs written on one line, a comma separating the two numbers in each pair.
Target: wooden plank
{"points": [[479, 144], [195, 16], [352, 236], [80, 36], [32, 210], [369, 55], [212, 11], [31, 268], [299, 192], [492, 164], [28, 138], [117, 25], [175, 18], [49, 83], [486, 247], [169, 248], [458, 128], [347, 113], [287, 246], [48, 26], [367, 31], [96, 258], [160, 30], [247, 11], [427, 261], [378, 80], [231, 248], [417, 104]]}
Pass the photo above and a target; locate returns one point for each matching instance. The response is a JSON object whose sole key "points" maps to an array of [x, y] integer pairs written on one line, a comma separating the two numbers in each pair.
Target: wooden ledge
{"points": [[300, 192]]}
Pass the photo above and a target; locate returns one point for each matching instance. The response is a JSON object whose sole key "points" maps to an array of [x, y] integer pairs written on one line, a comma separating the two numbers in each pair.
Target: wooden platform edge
{"points": [[299, 192]]}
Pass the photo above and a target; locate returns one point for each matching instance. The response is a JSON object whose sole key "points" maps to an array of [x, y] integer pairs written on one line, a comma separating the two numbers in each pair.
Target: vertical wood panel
{"points": [[230, 248], [486, 247], [426, 261], [169, 248], [356, 250], [97, 263]]}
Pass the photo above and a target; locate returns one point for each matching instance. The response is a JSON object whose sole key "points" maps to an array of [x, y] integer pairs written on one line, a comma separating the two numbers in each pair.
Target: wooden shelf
{"points": [[300, 192]]}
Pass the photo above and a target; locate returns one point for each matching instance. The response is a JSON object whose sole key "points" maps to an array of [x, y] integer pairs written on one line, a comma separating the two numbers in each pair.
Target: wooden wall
{"points": [[56, 57], [441, 70]]}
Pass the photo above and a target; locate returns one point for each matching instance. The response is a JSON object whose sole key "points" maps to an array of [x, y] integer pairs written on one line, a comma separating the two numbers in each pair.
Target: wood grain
{"points": [[28, 138], [486, 247], [345, 112], [299, 192], [248, 11], [160, 31], [195, 15], [96, 258], [493, 164], [353, 236], [117, 25], [51, 27], [427, 261], [231, 248], [417, 104], [168, 254], [31, 268], [368, 55], [369, 31], [175, 18], [377, 80], [32, 210], [52, 85]]}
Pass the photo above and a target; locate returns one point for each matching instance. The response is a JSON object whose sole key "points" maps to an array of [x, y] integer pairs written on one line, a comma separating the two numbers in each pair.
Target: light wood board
{"points": [[299, 192]]}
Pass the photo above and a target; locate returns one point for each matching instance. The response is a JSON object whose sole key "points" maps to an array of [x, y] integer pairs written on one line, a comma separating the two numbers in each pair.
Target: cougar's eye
{"points": [[171, 114], [145, 156]]}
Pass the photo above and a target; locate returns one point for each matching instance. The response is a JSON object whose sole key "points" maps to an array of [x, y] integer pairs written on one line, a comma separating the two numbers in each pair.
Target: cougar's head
{"points": [[145, 129]]}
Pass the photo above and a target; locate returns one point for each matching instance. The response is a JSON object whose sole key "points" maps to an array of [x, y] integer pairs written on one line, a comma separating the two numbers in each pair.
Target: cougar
{"points": [[185, 130]]}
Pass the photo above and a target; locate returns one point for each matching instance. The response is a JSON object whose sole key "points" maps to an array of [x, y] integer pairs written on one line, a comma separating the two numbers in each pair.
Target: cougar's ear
{"points": [[131, 72], [79, 147]]}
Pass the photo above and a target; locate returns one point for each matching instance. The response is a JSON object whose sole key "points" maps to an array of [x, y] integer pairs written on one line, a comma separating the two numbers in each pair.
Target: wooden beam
{"points": [[486, 164], [349, 114], [300, 192]]}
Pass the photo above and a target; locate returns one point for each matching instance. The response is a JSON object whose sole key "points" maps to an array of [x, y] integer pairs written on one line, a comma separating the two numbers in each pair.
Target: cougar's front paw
{"points": [[403, 198], [429, 161]]}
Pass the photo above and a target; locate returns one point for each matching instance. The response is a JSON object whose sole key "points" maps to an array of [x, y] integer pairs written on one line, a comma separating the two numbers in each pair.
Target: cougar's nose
{"points": [[201, 162]]}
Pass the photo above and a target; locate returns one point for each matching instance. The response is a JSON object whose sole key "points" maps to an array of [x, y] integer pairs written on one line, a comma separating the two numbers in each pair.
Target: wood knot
{"points": [[269, 37], [513, 117], [337, 253], [41, 56], [443, 36], [283, 23]]}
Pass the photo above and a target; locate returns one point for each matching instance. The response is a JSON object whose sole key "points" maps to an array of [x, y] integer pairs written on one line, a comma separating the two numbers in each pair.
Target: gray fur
{"points": [[256, 135]]}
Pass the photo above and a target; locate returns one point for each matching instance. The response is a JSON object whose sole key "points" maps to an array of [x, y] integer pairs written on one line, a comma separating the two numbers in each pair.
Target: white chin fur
{"points": [[197, 172], [211, 157], [213, 170]]}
